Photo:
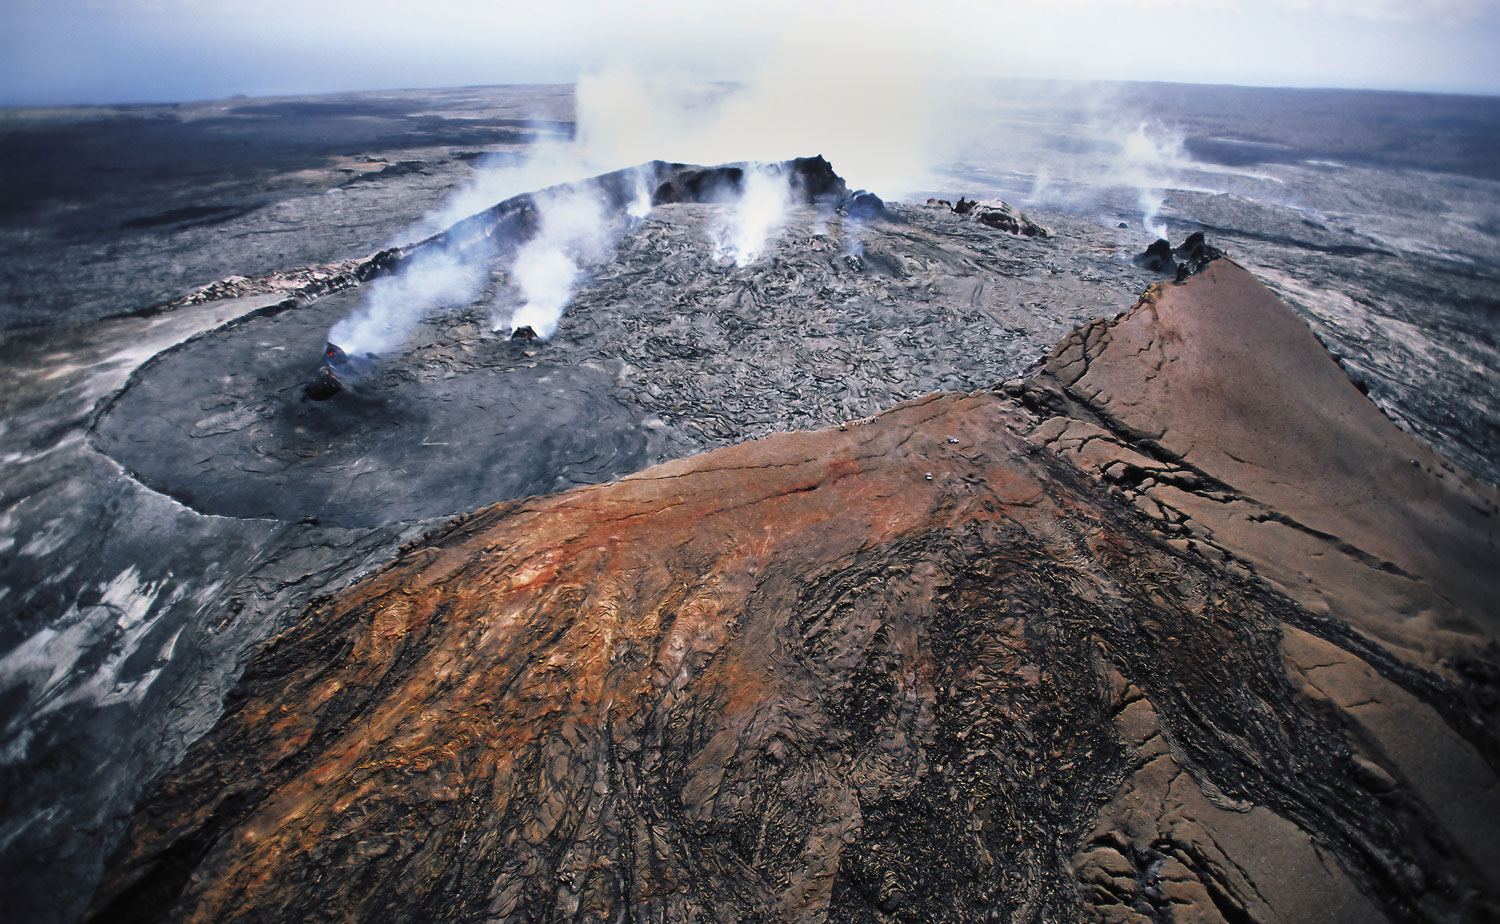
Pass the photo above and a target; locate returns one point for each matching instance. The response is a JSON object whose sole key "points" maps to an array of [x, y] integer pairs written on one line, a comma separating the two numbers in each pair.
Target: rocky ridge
{"points": [[1180, 628]]}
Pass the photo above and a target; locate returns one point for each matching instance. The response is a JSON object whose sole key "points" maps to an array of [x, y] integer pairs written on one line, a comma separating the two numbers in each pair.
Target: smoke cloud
{"points": [[836, 101], [1146, 162], [1081, 148], [575, 230]]}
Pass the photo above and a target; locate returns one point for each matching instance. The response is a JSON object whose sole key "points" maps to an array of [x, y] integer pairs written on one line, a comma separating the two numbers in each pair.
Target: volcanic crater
{"points": [[668, 349]]}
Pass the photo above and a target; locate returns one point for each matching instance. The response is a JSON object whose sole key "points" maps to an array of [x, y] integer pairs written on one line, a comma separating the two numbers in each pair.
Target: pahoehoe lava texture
{"points": [[222, 426], [453, 422], [929, 667]]}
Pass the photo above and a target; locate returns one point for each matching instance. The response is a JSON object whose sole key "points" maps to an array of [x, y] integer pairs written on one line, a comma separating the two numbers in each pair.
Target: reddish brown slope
{"points": [[927, 667], [1219, 377]]}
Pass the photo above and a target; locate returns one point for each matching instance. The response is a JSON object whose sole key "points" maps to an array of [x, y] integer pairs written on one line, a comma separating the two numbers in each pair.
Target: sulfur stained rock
{"points": [[982, 657]]}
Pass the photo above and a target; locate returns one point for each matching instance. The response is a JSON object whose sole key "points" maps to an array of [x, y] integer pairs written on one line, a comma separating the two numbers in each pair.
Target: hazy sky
{"points": [[82, 51]]}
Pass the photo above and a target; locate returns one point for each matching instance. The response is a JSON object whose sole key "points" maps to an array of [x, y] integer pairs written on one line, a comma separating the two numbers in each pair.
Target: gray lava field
{"points": [[170, 498]]}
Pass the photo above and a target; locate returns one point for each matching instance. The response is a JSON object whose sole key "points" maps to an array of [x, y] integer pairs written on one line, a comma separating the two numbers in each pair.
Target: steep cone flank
{"points": [[954, 663], [1218, 413]]}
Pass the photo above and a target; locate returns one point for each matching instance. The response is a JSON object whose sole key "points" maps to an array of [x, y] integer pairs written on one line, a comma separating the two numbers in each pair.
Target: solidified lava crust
{"points": [[666, 351]]}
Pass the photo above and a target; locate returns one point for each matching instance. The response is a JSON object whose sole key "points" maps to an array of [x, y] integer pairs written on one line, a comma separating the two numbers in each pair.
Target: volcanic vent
{"points": [[674, 343]]}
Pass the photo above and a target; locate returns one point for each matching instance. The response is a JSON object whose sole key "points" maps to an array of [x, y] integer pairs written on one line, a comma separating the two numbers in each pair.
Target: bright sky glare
{"points": [[107, 51]]}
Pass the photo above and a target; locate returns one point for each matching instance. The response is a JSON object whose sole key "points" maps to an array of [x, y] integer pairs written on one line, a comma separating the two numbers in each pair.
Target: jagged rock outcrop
{"points": [[1195, 254], [1158, 258], [812, 179], [993, 213], [1173, 631]]}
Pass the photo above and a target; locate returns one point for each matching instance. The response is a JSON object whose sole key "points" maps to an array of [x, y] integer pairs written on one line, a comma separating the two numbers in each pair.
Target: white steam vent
{"points": [[430, 282], [575, 230], [758, 213]]}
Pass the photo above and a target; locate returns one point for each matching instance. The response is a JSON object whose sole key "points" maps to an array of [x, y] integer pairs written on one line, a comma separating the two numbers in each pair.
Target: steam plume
{"points": [[1100, 157], [1145, 159], [758, 213], [575, 230], [624, 118], [432, 281]]}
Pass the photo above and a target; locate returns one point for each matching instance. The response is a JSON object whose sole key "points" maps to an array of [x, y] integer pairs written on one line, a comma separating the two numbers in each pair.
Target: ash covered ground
{"points": [[171, 500]]}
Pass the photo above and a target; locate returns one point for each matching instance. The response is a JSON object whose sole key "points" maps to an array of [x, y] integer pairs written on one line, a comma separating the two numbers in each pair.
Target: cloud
{"points": [[138, 50], [700, 20], [1442, 12]]}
